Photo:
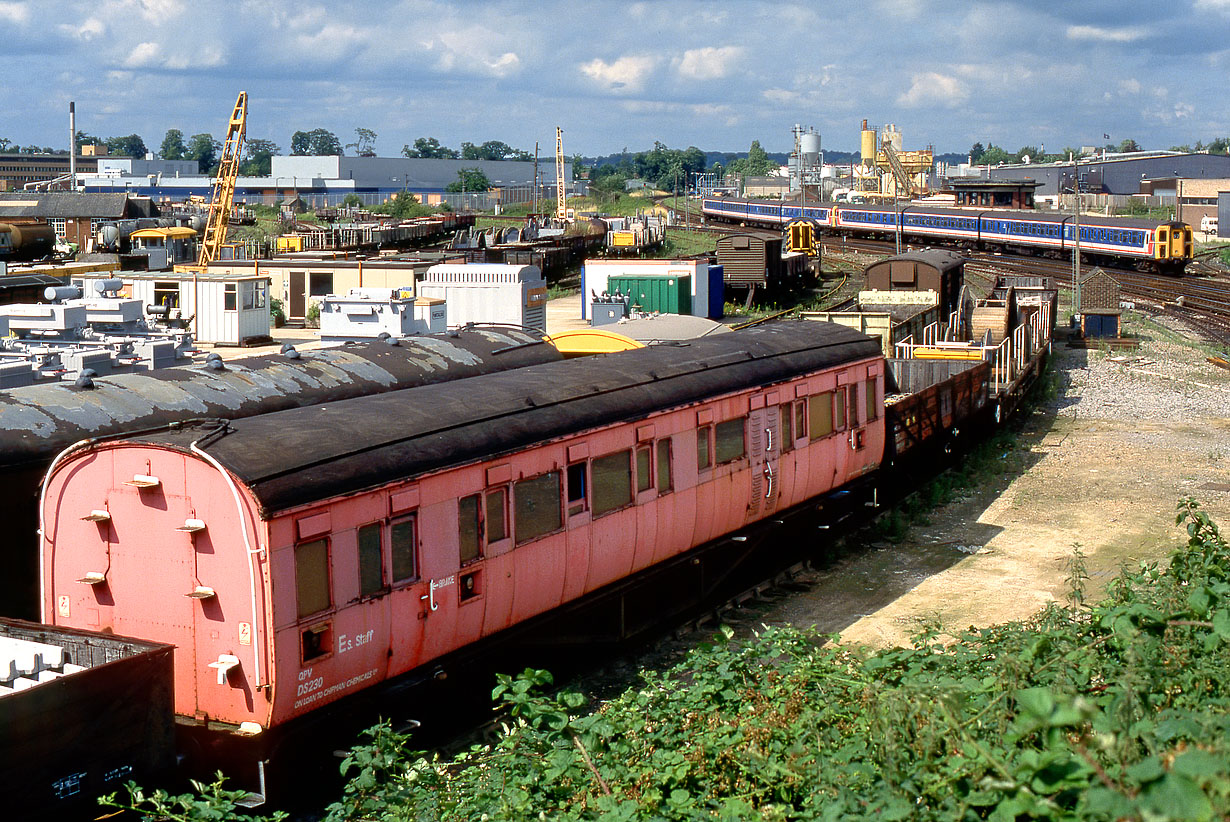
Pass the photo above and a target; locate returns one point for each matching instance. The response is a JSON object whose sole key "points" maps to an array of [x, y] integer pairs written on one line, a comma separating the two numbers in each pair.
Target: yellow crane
{"points": [[561, 203], [223, 194]]}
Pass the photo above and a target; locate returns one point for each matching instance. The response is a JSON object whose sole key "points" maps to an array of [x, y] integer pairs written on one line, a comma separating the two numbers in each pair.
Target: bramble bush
{"points": [[1086, 712]]}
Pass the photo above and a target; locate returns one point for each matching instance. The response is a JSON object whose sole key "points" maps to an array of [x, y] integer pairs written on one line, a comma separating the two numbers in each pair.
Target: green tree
{"points": [[365, 142], [976, 151], [172, 147], [130, 145], [6, 144], [994, 155], [1032, 152], [204, 149], [318, 142], [1221, 145], [429, 148], [469, 151], [1129, 145], [469, 179], [258, 157]]}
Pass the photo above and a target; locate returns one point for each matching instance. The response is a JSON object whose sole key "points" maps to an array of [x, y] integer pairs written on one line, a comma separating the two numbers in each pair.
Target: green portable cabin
{"points": [[663, 293]]}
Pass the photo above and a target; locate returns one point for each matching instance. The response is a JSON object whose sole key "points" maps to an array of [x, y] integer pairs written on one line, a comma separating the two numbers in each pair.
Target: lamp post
{"points": [[1076, 236]]}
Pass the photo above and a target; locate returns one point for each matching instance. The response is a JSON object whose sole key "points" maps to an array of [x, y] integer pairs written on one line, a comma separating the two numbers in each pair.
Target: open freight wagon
{"points": [[81, 714]]}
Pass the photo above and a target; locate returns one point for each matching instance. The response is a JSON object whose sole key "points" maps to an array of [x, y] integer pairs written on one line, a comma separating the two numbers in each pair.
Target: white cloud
{"points": [[1130, 86], [18, 13], [933, 89], [1106, 35], [710, 63], [143, 55], [625, 75], [1222, 6]]}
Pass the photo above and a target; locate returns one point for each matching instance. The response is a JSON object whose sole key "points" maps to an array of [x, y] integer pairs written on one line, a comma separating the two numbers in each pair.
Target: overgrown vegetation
{"points": [[1110, 711]]}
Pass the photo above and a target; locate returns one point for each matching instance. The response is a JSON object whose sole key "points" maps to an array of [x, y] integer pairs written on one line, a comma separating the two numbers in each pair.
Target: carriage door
{"points": [[764, 446]]}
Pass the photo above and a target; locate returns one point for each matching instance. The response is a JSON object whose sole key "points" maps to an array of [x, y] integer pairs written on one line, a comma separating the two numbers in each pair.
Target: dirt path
{"points": [[1102, 465]]}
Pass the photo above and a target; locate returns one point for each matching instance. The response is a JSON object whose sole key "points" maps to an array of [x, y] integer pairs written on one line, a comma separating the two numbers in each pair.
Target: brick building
{"points": [[74, 215], [1099, 305]]}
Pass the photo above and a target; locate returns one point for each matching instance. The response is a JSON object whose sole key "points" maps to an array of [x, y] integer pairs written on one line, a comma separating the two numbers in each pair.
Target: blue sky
{"points": [[622, 74]]}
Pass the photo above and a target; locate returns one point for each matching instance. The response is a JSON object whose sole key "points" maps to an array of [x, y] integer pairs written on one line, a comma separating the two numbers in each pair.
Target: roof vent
{"points": [[85, 380]]}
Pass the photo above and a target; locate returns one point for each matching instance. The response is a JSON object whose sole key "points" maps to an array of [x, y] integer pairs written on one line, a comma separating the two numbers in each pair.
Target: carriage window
{"points": [[703, 452], [576, 488], [537, 507], [612, 482], [800, 418], [312, 576], [468, 529], [497, 521], [786, 415], [644, 476], [664, 466], [729, 436], [401, 538], [371, 570], [839, 413], [871, 399], [821, 413]]}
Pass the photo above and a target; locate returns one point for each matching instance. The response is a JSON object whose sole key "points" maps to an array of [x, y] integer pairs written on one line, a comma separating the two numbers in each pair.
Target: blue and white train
{"points": [[1145, 244]]}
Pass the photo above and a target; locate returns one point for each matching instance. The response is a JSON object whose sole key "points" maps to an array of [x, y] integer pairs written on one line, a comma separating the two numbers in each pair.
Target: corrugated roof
{"points": [[65, 204]]}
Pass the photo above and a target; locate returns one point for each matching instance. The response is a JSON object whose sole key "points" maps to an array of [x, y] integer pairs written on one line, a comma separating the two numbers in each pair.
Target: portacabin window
{"points": [[312, 576], [371, 561], [612, 475], [730, 440], [536, 506], [228, 297], [402, 548]]}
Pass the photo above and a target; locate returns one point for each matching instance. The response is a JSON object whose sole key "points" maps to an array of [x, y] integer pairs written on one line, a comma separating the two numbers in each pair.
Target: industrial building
{"points": [[74, 216], [1121, 174], [18, 170], [320, 181]]}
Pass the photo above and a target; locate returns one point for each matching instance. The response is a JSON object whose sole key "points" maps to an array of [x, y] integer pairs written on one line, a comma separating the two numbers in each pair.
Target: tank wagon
{"points": [[312, 553], [1164, 246], [39, 421], [29, 241]]}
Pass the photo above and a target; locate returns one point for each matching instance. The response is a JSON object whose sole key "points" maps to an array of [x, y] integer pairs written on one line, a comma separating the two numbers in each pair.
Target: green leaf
{"points": [[1145, 771], [1199, 764], [1221, 624], [1198, 600], [1178, 797]]}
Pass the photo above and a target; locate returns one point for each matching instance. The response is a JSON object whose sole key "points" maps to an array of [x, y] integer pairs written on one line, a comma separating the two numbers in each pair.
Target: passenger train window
{"points": [[644, 476], [786, 414], [469, 529], [497, 515], [576, 488], [664, 466], [820, 409], [612, 482], [536, 507], [704, 450], [800, 418], [401, 540], [371, 563], [312, 576], [730, 443], [872, 408]]}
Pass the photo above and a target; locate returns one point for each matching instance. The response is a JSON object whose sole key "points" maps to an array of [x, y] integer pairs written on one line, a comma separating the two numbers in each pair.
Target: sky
{"points": [[616, 75]]}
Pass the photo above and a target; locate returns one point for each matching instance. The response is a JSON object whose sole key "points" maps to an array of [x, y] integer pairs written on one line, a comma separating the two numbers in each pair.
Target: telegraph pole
{"points": [[1076, 237]]}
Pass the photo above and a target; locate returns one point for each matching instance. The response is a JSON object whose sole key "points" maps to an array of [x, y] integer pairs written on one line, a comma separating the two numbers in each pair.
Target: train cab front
{"points": [[155, 543], [1173, 245]]}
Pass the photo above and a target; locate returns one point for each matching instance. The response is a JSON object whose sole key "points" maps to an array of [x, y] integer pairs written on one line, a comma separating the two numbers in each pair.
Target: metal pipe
{"points": [[72, 146]]}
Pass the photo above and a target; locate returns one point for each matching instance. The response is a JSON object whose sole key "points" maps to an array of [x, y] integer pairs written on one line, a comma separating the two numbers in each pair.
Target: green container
{"points": [[663, 293]]}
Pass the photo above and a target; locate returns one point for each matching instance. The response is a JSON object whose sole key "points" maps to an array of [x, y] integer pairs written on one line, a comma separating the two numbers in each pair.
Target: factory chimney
{"points": [[72, 146]]}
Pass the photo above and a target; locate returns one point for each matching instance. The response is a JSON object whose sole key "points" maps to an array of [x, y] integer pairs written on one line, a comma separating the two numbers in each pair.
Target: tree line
{"points": [[991, 154]]}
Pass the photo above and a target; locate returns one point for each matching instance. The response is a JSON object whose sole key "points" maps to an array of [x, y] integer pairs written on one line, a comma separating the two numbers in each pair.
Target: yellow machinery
{"points": [[223, 192], [802, 236], [561, 205], [885, 168]]}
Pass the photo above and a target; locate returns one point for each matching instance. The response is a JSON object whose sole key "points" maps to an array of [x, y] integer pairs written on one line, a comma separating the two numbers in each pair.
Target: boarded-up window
{"points": [[401, 539], [371, 571], [612, 482], [312, 576], [644, 476], [664, 466], [497, 520], [729, 440], [820, 409], [537, 507], [703, 456], [467, 529]]}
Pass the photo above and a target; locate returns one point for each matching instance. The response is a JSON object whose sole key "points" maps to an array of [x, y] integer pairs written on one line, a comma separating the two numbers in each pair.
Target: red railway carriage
{"points": [[297, 557]]}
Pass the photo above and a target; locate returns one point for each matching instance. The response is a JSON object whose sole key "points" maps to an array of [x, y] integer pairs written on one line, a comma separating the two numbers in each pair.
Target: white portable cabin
{"points": [[489, 293], [366, 313], [228, 310]]}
